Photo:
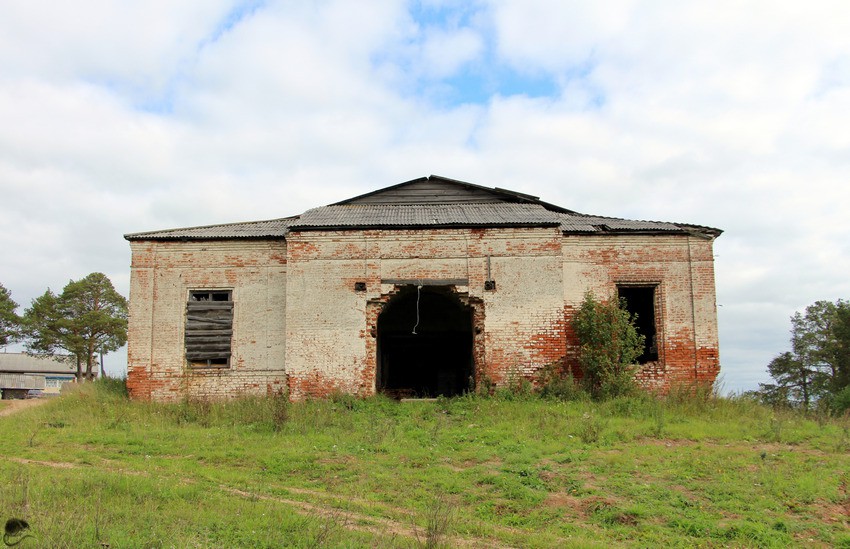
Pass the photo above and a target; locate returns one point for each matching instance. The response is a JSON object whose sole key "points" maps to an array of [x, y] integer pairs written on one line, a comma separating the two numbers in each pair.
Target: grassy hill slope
{"points": [[92, 469]]}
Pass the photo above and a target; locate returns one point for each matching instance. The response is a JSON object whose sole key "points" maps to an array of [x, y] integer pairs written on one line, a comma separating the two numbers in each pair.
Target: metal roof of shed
{"points": [[30, 364]]}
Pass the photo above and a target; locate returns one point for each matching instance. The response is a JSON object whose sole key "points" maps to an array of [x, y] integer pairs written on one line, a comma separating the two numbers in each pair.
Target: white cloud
{"points": [[443, 53], [135, 46], [555, 35]]}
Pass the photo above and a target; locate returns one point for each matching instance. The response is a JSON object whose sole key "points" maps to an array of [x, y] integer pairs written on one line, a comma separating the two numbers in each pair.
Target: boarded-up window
{"points": [[209, 328]]}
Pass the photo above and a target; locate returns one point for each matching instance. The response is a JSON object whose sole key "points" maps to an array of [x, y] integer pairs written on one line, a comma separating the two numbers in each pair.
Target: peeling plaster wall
{"points": [[162, 274], [299, 323], [329, 332]]}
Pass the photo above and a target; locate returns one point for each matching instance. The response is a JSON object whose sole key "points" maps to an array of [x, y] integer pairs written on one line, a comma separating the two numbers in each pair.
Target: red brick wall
{"points": [[686, 314], [300, 324]]}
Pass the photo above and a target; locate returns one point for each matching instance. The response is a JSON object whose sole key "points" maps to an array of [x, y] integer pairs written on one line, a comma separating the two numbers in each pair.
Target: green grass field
{"points": [[92, 469]]}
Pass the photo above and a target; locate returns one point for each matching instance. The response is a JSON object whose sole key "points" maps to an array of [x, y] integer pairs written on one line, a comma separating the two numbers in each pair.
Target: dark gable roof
{"points": [[430, 202], [436, 189]]}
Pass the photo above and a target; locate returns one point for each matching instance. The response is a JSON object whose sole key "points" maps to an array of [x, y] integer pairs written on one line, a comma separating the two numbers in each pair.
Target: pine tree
{"points": [[89, 317], [10, 322], [818, 366], [794, 380]]}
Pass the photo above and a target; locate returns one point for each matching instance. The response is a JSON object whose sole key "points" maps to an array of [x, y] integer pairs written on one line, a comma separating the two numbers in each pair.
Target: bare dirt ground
{"points": [[15, 406]]}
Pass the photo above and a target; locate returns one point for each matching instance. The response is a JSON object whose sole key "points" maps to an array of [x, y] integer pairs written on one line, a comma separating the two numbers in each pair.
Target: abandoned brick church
{"points": [[425, 288]]}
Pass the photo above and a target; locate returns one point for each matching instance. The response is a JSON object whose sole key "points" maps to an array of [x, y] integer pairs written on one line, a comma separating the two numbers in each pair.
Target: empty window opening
{"points": [[209, 295], [209, 328], [640, 302], [436, 360]]}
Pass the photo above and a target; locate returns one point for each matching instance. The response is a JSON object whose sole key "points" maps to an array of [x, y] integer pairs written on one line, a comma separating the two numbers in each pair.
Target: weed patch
{"points": [[590, 428]]}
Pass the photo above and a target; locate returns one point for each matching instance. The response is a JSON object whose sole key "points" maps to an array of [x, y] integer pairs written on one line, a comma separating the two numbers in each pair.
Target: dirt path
{"points": [[15, 406]]}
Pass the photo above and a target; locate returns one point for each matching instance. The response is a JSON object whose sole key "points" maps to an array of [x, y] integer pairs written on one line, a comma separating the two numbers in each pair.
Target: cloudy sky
{"points": [[118, 117]]}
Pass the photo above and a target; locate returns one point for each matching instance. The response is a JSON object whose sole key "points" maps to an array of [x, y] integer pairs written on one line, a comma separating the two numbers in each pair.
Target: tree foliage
{"points": [[794, 381], [609, 344], [817, 369], [88, 318], [9, 320]]}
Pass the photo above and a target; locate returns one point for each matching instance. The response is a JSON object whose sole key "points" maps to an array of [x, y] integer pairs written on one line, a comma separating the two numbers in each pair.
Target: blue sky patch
{"points": [[443, 16], [233, 18], [478, 86], [477, 82]]}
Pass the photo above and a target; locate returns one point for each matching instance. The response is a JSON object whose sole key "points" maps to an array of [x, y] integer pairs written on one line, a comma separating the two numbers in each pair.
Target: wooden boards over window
{"points": [[209, 328]]}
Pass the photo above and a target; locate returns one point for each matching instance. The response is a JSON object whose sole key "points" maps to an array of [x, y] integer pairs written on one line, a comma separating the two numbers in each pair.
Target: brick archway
{"points": [[444, 356]]}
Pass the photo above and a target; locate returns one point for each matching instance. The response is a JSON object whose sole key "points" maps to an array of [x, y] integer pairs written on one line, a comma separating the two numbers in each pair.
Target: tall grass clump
{"points": [[438, 518], [691, 398], [108, 389], [112, 386], [556, 382], [261, 413], [589, 428], [517, 388]]}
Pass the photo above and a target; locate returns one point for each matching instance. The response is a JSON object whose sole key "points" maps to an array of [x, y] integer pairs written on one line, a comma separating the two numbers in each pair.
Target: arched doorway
{"points": [[425, 344]]}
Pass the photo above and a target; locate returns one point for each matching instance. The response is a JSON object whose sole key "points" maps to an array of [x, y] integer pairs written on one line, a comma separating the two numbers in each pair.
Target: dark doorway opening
{"points": [[425, 344], [640, 301]]}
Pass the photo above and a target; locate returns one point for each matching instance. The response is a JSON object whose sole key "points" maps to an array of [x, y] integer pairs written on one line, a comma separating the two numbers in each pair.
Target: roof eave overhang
{"points": [[37, 372], [700, 233], [154, 238], [364, 227], [699, 230]]}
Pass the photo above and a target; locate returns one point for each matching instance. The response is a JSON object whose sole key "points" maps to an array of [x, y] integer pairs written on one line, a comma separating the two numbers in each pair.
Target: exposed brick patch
{"points": [[138, 382], [315, 385]]}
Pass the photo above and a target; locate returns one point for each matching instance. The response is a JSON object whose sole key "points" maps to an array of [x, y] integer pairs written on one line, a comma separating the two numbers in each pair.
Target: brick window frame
{"points": [[642, 298], [209, 328]]}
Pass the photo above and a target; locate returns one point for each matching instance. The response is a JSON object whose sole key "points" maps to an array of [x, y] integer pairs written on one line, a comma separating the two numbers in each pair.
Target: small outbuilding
{"points": [[429, 287], [22, 374]]}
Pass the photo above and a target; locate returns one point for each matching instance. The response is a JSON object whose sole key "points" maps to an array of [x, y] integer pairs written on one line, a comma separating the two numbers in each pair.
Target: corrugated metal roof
{"points": [[396, 209], [431, 215], [425, 215], [580, 223], [273, 228], [26, 364]]}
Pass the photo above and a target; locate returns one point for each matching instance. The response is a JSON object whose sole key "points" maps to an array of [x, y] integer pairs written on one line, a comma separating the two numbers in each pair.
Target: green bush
{"points": [[839, 403], [609, 344]]}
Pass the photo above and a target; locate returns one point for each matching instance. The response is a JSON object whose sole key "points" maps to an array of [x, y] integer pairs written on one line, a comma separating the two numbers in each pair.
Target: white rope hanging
{"points": [[418, 289]]}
